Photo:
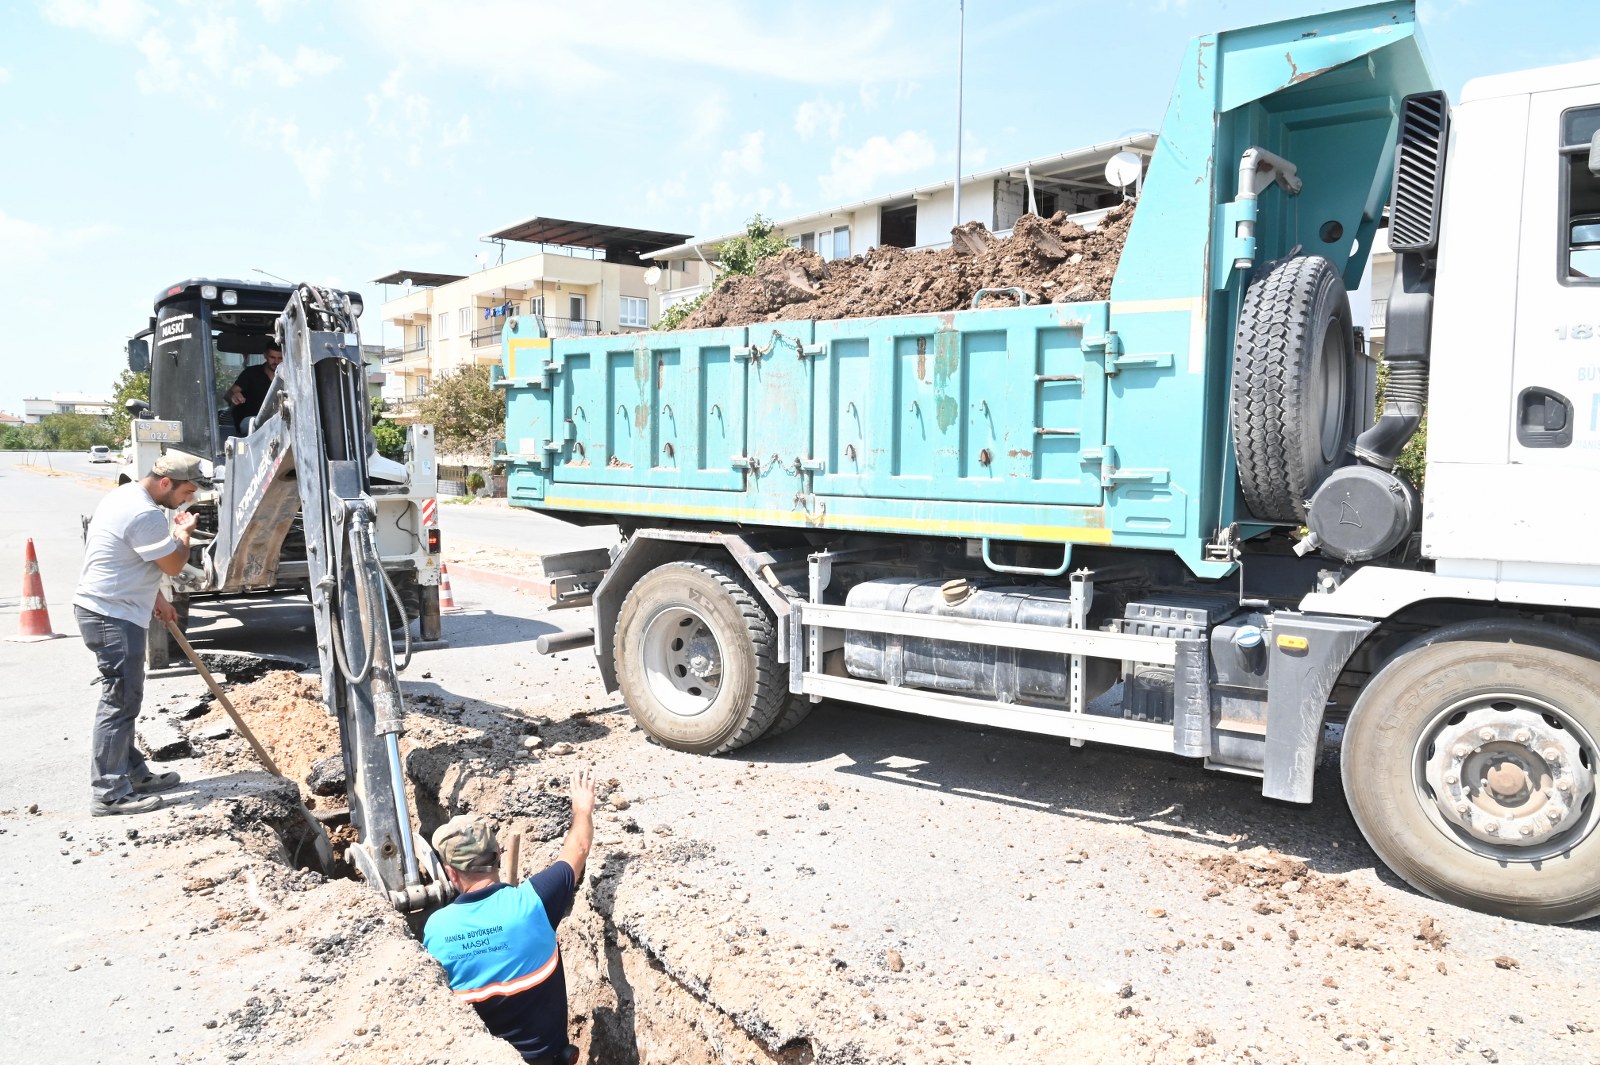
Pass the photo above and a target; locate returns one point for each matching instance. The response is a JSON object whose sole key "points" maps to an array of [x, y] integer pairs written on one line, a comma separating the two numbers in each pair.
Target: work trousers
{"points": [[118, 648]]}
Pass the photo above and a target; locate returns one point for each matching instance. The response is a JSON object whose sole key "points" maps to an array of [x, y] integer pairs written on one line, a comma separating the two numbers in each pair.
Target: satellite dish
{"points": [[406, 285], [652, 275], [1123, 169]]}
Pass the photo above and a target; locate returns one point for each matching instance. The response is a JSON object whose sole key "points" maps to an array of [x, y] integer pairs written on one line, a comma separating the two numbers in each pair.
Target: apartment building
{"points": [[581, 278], [36, 408]]}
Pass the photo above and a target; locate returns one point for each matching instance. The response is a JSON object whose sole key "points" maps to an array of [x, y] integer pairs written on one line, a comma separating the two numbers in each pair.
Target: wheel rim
{"points": [[682, 661], [1507, 776], [1330, 399]]}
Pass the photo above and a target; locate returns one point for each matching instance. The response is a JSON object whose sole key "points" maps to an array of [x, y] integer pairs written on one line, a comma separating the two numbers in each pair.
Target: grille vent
{"points": [[1419, 172]]}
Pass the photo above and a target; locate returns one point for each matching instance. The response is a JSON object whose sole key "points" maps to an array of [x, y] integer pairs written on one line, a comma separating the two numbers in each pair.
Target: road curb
{"points": [[503, 580]]}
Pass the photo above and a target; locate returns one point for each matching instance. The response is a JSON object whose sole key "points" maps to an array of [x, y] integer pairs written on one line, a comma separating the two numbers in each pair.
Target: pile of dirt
{"points": [[1052, 260], [284, 710]]}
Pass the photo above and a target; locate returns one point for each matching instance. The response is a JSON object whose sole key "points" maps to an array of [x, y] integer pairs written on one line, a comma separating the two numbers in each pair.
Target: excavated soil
{"points": [[1052, 260]]}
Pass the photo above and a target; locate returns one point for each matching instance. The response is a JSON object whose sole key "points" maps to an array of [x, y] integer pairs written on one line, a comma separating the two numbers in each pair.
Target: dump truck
{"points": [[202, 332], [1168, 520]]}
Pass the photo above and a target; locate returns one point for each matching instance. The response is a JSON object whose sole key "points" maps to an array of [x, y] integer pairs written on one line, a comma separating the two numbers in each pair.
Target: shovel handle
{"points": [[216, 689]]}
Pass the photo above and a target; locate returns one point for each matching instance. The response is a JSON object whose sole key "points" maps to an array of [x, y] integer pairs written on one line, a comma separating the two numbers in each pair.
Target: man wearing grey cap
{"points": [[127, 548], [497, 942]]}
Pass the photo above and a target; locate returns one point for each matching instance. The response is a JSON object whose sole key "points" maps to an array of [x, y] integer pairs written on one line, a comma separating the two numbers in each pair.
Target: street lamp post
{"points": [[961, 55]]}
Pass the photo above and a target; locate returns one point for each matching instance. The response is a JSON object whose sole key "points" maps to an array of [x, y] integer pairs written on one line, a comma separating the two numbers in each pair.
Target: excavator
{"points": [[305, 460]]}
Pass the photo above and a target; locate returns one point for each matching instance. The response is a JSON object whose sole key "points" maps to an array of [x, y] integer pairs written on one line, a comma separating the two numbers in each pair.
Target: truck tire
{"points": [[795, 710], [1296, 402], [697, 658], [1470, 768], [160, 651]]}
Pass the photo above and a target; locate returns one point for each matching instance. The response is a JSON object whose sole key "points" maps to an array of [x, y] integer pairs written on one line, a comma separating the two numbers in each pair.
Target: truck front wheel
{"points": [[697, 658], [1470, 768]]}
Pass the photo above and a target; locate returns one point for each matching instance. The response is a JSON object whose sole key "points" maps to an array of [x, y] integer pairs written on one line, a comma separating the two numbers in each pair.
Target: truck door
{"points": [[1556, 377]]}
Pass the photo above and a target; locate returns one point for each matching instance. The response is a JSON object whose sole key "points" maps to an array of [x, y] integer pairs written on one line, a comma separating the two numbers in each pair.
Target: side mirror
{"points": [[139, 347], [1594, 154]]}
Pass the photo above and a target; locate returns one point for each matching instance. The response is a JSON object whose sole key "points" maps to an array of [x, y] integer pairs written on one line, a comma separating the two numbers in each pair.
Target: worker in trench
{"points": [[497, 941]]}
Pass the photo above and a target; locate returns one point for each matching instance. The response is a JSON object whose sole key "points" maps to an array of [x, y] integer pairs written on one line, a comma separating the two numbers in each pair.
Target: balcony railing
{"points": [[553, 326]]}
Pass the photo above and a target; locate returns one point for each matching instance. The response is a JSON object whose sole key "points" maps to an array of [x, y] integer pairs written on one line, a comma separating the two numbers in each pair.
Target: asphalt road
{"points": [[978, 855], [492, 524]]}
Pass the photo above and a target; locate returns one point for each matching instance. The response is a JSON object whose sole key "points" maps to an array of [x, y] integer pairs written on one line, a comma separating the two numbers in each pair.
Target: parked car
{"points": [[99, 453]]}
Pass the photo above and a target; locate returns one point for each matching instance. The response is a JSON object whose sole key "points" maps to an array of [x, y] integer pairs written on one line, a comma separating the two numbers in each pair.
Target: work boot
{"points": [[128, 804], [155, 782]]}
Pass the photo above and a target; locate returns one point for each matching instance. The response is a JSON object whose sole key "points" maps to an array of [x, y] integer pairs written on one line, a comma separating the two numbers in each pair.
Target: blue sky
{"points": [[142, 142]]}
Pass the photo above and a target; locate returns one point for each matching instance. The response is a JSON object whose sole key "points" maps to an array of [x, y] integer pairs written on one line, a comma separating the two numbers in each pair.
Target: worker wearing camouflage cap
{"points": [[497, 941], [128, 545]]}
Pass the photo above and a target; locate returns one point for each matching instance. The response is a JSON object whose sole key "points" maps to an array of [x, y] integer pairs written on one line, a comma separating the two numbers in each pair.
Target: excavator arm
{"points": [[316, 457]]}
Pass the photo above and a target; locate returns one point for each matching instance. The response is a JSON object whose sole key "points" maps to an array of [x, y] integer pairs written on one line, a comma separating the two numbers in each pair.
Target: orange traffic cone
{"points": [[35, 612], [447, 599]]}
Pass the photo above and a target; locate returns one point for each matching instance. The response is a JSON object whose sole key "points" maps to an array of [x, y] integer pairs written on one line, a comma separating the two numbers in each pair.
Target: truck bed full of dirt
{"points": [[1052, 260]]}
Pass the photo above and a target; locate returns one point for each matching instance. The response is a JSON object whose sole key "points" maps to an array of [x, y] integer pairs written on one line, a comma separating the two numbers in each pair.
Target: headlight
{"points": [[229, 297], [356, 306], [208, 292]]}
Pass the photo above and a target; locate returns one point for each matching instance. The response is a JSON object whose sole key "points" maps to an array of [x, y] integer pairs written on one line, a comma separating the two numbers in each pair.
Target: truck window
{"points": [[1580, 198]]}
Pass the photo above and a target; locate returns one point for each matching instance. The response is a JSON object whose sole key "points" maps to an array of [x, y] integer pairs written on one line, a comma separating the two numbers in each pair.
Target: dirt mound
{"points": [[1052, 260], [285, 712]]}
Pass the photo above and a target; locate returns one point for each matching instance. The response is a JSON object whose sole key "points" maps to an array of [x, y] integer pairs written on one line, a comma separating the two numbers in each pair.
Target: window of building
{"points": [[422, 335], [1581, 198], [465, 322], [442, 321], [536, 306], [806, 241], [635, 312], [841, 242]]}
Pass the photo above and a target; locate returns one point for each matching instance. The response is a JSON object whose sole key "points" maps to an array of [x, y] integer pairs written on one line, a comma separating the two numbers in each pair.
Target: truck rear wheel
{"points": [[697, 658], [1296, 400], [1470, 768]]}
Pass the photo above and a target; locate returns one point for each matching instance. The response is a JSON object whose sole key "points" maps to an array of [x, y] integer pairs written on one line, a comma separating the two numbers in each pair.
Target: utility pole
{"points": [[961, 55]]}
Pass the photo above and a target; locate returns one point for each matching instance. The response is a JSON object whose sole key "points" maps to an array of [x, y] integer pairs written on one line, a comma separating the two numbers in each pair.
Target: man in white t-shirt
{"points": [[127, 548]]}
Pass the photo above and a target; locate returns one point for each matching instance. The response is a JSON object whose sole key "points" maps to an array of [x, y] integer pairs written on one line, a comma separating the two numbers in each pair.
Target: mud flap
{"points": [[1308, 654]]}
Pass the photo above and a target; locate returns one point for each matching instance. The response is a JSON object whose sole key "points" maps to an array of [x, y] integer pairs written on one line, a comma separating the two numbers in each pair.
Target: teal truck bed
{"points": [[1086, 423]]}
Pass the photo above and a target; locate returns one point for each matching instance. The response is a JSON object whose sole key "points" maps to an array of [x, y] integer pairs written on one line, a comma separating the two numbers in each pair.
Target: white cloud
{"points": [[121, 19], [814, 115], [285, 73], [273, 10], [459, 133], [313, 161], [23, 242], [391, 107], [749, 157], [668, 191], [707, 117], [860, 171], [634, 35]]}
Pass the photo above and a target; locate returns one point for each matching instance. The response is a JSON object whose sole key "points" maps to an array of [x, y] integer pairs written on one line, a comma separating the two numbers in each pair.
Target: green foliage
{"points": [[673, 317], [475, 482], [129, 385], [468, 415], [738, 256], [1413, 461], [390, 438], [59, 432], [760, 240]]}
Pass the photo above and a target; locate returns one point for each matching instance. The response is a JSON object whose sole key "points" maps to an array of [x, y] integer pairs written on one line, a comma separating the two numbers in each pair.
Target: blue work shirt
{"points": [[498, 949]]}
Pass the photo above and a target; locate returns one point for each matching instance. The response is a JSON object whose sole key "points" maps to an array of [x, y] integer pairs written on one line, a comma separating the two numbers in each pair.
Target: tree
{"points": [[390, 438], [129, 385], [740, 254], [468, 415]]}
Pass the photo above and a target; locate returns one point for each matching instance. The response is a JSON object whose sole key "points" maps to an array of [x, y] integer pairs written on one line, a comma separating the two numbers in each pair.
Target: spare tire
{"points": [[1297, 386]]}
